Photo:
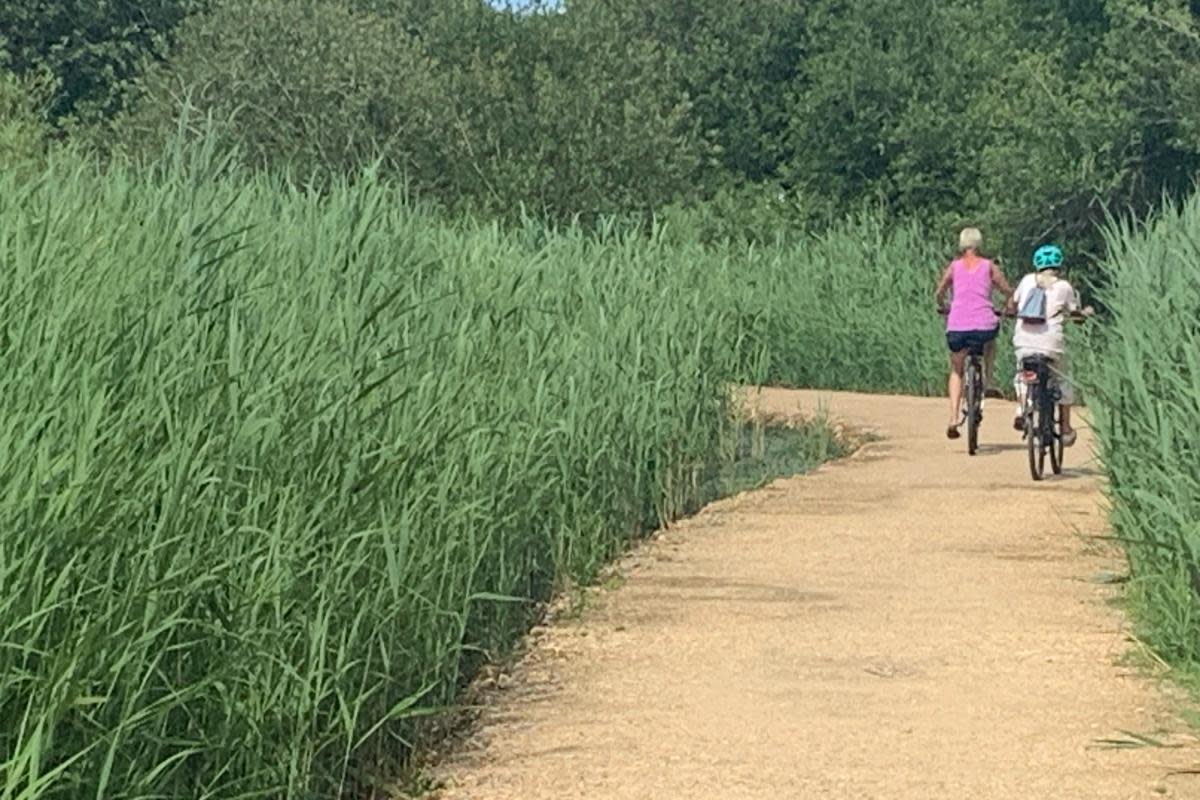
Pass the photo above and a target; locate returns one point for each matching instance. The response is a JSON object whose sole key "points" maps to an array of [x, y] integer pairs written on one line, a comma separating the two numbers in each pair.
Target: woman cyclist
{"points": [[1045, 336], [972, 322]]}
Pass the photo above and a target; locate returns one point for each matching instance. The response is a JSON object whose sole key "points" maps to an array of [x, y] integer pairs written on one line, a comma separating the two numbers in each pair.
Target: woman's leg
{"points": [[957, 363], [1019, 388], [989, 369], [1066, 393]]}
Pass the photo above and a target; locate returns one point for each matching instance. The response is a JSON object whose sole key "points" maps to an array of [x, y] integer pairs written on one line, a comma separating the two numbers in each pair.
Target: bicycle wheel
{"points": [[974, 396], [1033, 438], [1057, 450]]}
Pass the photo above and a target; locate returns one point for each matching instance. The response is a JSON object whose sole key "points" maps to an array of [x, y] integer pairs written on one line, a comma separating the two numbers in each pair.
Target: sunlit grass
{"points": [[278, 467], [1145, 376]]}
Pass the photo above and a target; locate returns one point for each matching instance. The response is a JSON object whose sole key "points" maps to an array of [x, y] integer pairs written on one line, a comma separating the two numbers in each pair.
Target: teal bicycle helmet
{"points": [[1048, 257]]}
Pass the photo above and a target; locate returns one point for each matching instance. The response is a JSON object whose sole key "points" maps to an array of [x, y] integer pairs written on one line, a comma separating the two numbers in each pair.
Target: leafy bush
{"points": [[569, 120], [92, 50], [23, 127], [314, 86], [1034, 118]]}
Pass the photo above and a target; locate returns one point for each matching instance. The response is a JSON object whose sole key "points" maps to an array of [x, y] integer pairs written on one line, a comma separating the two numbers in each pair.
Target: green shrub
{"points": [[560, 117], [91, 50], [23, 128], [310, 85]]}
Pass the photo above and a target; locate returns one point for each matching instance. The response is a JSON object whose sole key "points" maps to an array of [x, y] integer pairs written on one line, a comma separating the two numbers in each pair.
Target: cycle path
{"points": [[907, 623]]}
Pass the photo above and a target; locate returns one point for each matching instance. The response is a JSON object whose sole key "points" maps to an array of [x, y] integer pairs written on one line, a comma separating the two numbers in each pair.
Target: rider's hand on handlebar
{"points": [[1082, 314]]}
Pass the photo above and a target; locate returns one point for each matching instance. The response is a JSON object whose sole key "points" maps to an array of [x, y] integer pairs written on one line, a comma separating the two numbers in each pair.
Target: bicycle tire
{"points": [[1037, 454], [974, 390], [1057, 448]]}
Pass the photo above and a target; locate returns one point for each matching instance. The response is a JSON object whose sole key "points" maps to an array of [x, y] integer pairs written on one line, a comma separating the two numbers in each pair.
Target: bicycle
{"points": [[1043, 417], [1042, 413], [974, 391], [972, 399]]}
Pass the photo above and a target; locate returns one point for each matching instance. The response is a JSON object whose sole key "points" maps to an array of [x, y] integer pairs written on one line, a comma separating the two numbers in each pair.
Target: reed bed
{"points": [[280, 467], [1144, 376]]}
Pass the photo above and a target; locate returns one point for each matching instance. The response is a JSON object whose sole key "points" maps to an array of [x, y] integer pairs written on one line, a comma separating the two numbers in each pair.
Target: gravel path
{"points": [[909, 623]]}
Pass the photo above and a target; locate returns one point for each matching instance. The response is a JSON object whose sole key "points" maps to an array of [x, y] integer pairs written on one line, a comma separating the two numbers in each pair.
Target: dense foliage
{"points": [[1032, 117], [24, 127], [92, 49]]}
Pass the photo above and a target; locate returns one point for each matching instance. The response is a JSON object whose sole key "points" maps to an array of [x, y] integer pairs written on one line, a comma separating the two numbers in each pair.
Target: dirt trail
{"points": [[888, 627]]}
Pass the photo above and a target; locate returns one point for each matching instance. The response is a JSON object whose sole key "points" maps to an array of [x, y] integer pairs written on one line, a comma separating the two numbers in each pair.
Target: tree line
{"points": [[1034, 117]]}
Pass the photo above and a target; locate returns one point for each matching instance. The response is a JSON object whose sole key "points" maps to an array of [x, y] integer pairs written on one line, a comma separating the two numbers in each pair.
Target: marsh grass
{"points": [[1144, 375], [280, 468]]}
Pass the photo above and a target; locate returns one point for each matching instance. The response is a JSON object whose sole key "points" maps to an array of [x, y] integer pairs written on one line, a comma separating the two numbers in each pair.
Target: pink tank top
{"points": [[971, 304]]}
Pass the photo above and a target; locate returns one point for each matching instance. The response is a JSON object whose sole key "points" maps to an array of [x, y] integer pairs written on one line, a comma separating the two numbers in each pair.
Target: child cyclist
{"points": [[972, 322], [1043, 335]]}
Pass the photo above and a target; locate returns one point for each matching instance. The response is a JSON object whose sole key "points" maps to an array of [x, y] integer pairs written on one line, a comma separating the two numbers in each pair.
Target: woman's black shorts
{"points": [[974, 341]]}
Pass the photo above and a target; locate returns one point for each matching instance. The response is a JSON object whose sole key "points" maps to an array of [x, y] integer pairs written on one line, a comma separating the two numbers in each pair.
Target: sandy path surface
{"points": [[891, 626]]}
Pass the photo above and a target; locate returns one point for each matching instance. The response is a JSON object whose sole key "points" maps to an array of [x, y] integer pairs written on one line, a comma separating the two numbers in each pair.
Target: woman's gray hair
{"points": [[970, 239]]}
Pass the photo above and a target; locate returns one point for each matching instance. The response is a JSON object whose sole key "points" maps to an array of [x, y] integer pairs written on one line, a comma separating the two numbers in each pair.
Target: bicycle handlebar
{"points": [[1075, 316], [1000, 312]]}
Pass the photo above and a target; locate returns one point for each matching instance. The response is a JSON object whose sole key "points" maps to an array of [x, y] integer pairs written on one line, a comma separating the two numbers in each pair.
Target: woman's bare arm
{"points": [[943, 286], [1001, 282]]}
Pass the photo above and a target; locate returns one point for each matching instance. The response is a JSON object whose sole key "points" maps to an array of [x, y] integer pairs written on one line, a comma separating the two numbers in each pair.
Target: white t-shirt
{"points": [[1045, 337]]}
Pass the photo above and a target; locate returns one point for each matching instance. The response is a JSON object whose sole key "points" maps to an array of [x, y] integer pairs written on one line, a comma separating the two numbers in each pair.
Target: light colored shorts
{"points": [[1058, 377]]}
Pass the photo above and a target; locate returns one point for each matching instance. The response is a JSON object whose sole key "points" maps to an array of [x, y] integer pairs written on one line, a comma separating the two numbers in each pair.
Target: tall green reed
{"points": [[1144, 373], [279, 466], [851, 308]]}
